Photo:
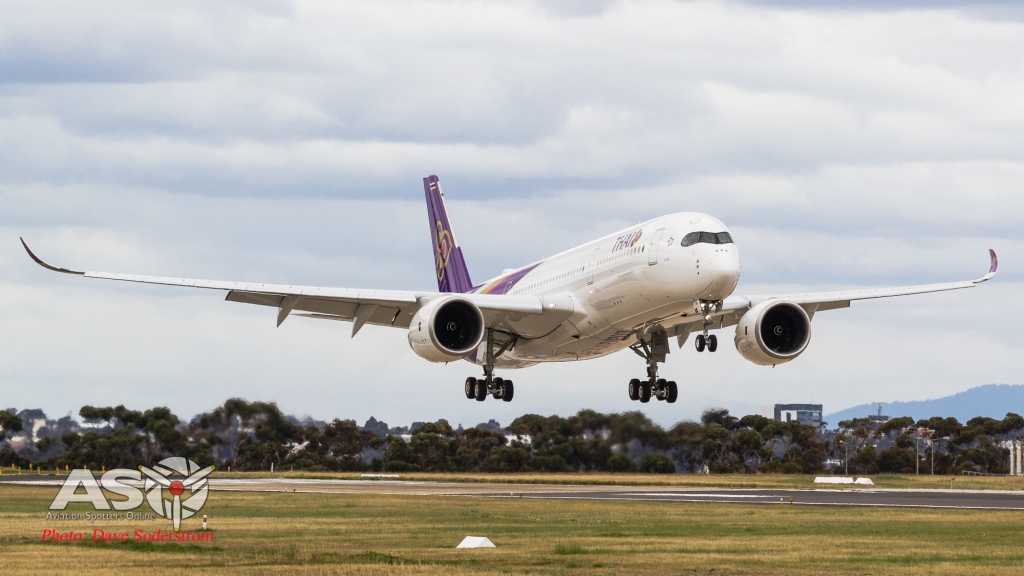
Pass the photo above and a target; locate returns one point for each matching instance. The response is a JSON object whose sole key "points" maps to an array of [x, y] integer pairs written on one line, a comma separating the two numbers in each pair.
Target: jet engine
{"points": [[773, 332], [446, 329]]}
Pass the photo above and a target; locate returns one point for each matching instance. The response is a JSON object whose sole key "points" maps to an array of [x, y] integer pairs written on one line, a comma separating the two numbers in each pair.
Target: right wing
{"points": [[527, 316]]}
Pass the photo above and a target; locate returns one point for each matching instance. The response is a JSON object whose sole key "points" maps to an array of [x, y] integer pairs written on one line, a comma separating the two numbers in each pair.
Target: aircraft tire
{"points": [[507, 391], [700, 342], [634, 389], [481, 390], [712, 343], [470, 388], [673, 392], [499, 384], [645, 392]]}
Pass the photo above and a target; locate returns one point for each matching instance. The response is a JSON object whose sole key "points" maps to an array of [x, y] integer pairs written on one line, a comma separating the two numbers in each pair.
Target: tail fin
{"points": [[452, 274]]}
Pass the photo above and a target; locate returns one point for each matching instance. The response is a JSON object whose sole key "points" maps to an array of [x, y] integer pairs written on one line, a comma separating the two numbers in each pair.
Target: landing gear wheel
{"points": [[673, 392], [470, 388], [498, 384], [659, 388], [481, 390], [712, 343], [645, 392], [634, 389], [700, 342], [507, 390]]}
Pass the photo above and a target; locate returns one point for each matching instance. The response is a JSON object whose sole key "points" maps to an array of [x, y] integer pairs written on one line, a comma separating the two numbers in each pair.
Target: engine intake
{"points": [[773, 332], [446, 329]]}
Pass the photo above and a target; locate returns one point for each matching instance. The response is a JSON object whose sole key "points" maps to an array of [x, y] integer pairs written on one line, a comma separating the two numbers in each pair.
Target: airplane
{"points": [[637, 288]]}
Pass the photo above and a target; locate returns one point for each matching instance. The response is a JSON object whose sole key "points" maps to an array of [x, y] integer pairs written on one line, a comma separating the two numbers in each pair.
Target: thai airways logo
{"points": [[163, 487], [627, 241], [445, 245]]}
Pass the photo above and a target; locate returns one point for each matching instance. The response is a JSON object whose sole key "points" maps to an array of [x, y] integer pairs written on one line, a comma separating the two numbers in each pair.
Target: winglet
{"points": [[992, 269], [44, 264]]}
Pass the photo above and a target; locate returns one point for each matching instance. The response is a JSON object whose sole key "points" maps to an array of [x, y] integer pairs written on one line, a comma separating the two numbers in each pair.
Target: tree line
{"points": [[248, 436]]}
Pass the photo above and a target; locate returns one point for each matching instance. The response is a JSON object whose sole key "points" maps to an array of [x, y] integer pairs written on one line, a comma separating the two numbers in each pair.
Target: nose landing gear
{"points": [[653, 351], [704, 340]]}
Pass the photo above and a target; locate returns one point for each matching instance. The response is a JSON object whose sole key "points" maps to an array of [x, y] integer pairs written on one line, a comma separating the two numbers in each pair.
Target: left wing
{"points": [[527, 316], [735, 306]]}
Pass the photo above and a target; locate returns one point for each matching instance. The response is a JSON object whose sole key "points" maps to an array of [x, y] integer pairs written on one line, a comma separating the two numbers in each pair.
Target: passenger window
{"points": [[724, 238], [690, 239], [708, 237]]}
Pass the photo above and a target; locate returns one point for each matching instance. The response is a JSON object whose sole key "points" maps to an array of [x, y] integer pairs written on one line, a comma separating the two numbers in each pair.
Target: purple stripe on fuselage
{"points": [[505, 283]]}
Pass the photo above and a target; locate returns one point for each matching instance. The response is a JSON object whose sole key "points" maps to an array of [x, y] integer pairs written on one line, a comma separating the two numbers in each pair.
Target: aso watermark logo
{"points": [[176, 488]]}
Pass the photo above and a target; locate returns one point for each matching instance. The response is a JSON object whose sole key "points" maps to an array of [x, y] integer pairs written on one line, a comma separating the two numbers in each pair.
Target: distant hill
{"points": [[992, 400]]}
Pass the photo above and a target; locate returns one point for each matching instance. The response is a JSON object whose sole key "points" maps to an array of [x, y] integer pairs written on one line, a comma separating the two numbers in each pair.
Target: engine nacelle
{"points": [[446, 329], [773, 332]]}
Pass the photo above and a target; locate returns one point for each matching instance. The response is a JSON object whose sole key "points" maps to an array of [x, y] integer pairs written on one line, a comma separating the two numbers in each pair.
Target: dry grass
{"points": [[281, 533]]}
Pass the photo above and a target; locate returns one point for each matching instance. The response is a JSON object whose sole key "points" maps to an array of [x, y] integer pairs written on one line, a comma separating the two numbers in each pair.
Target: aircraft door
{"points": [[652, 254]]}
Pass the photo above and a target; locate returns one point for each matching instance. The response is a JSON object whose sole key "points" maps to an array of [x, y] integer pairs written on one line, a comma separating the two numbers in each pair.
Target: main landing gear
{"points": [[499, 388], [704, 340], [653, 349]]}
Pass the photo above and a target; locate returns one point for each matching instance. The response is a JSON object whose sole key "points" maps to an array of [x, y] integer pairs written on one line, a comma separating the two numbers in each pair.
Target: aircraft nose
{"points": [[724, 267]]}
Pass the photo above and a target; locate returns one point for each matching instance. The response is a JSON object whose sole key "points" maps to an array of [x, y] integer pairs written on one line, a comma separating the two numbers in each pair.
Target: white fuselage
{"points": [[622, 285]]}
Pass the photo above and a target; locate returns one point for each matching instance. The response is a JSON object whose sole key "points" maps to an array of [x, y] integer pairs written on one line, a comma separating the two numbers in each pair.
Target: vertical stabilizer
{"points": [[452, 274]]}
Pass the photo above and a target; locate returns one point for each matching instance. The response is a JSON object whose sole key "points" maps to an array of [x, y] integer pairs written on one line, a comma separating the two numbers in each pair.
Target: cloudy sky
{"points": [[286, 141]]}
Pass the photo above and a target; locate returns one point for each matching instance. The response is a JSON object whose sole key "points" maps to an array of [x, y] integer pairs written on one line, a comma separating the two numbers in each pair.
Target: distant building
{"points": [[809, 414], [878, 418]]}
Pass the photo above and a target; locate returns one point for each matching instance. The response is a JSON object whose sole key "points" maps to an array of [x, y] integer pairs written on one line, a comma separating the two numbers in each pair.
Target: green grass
{"points": [[295, 533]]}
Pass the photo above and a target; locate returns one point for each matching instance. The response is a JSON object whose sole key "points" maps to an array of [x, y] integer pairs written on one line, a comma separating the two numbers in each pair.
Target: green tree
{"points": [[475, 446], [9, 422], [431, 452], [507, 459], [896, 460], [621, 463], [657, 463]]}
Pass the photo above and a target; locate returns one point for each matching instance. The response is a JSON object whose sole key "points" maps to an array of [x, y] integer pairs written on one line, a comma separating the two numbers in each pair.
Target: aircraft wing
{"points": [[819, 301], [735, 306], [528, 316]]}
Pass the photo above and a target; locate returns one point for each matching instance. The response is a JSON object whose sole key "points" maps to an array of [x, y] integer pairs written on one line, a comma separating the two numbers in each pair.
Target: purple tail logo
{"points": [[452, 274], [444, 250]]}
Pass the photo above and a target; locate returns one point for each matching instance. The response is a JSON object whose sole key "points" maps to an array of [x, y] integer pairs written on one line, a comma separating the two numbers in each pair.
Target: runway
{"points": [[888, 498]]}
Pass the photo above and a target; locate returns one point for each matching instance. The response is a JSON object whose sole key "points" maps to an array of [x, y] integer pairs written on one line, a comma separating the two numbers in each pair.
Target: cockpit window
{"points": [[707, 238]]}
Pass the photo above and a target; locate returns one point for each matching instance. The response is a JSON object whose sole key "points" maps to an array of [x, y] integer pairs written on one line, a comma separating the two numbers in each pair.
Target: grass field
{"points": [[282, 533]]}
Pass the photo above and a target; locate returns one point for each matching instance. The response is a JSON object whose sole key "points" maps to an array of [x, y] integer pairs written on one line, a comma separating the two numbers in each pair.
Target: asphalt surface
{"points": [[868, 497]]}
